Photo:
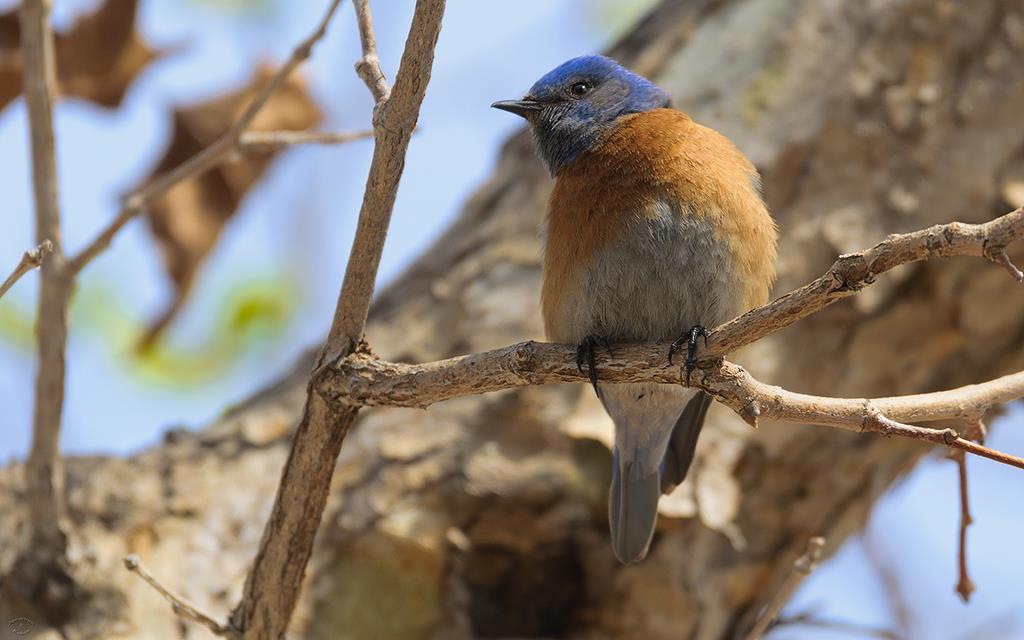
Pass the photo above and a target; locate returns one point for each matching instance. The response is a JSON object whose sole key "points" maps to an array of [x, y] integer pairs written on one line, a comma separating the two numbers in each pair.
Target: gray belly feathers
{"points": [[664, 275]]}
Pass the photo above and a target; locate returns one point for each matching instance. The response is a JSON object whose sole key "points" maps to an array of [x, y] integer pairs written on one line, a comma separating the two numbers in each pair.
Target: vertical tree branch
{"points": [[272, 587], [44, 477], [964, 584]]}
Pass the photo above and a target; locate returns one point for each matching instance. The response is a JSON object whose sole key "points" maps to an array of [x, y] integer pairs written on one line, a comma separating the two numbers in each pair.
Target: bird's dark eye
{"points": [[580, 89]]}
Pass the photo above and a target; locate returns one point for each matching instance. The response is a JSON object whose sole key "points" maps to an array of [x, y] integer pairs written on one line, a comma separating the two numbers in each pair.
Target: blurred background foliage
{"points": [[147, 84], [241, 6]]}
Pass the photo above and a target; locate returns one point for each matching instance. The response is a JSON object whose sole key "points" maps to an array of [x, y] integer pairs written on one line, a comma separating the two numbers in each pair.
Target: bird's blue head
{"points": [[571, 107]]}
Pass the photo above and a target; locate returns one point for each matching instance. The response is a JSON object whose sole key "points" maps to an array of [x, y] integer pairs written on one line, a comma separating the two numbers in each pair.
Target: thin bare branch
{"points": [[44, 477], [272, 587], [181, 607], [31, 259], [211, 156], [274, 140], [948, 437], [964, 584], [368, 67], [841, 626], [360, 379], [363, 380], [802, 567], [852, 272]]}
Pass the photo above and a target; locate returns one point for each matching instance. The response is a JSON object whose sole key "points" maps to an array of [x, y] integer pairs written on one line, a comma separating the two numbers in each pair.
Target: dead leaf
{"points": [[98, 58], [102, 54], [10, 58], [188, 220]]}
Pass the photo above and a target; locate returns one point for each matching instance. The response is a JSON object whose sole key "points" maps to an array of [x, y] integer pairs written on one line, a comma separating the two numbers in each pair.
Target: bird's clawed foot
{"points": [[690, 339], [585, 353]]}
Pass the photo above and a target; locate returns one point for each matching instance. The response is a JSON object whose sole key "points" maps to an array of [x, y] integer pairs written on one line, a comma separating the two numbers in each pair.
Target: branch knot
{"points": [[995, 252]]}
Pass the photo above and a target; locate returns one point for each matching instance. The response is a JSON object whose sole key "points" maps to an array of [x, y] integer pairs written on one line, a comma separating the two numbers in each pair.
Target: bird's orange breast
{"points": [[649, 159]]}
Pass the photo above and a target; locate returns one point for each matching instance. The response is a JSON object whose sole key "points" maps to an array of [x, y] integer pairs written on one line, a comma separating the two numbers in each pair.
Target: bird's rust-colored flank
{"points": [[647, 157]]}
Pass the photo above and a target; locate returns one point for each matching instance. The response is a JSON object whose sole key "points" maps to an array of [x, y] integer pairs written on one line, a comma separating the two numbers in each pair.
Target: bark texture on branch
{"points": [[273, 586], [39, 579], [485, 516]]}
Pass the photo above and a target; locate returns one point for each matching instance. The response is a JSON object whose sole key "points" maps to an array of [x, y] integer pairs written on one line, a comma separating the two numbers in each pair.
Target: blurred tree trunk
{"points": [[485, 517]]}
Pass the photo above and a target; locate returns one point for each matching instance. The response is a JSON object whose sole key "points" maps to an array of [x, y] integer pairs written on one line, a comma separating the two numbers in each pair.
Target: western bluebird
{"points": [[655, 229]]}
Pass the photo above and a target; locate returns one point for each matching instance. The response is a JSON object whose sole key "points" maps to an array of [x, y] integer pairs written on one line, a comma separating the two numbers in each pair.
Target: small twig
{"points": [[964, 584], [368, 67], [802, 567], [985, 452], [274, 140], [880, 424], [219, 151], [179, 605], [997, 255], [841, 626], [30, 260]]}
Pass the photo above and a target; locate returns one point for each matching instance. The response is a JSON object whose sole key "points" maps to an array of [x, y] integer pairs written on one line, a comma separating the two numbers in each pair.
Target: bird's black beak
{"points": [[519, 107]]}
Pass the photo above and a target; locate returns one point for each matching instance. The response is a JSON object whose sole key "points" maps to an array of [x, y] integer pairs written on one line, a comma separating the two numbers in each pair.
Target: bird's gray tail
{"points": [[683, 443], [632, 510], [633, 500]]}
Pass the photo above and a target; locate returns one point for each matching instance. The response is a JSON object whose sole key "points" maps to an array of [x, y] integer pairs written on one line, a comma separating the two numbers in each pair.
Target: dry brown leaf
{"points": [[188, 220], [103, 54], [98, 58], [10, 58]]}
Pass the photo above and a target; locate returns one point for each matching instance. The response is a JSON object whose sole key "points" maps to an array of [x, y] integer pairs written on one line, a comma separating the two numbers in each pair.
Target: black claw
{"points": [[585, 352], [691, 338]]}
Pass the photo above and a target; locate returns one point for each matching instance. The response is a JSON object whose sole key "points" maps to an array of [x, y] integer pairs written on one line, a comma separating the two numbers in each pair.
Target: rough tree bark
{"points": [[485, 516]]}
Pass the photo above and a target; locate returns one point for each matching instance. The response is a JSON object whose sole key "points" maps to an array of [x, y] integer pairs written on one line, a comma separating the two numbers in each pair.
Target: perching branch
{"points": [[366, 381], [31, 259], [802, 567], [272, 587], [361, 380], [181, 607], [211, 156]]}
